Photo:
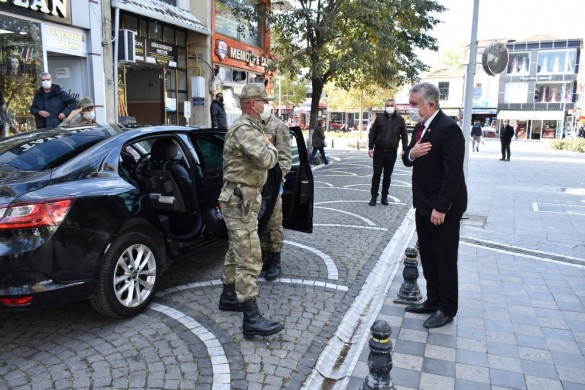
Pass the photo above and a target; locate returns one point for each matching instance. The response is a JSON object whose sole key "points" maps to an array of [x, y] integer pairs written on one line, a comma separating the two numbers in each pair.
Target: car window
{"points": [[294, 149], [211, 149], [40, 154]]}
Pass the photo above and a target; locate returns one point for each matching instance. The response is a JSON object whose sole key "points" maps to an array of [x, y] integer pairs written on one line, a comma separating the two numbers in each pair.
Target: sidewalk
{"points": [[521, 320]]}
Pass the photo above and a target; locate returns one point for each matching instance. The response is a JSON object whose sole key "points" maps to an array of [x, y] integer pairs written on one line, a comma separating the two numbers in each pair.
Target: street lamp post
{"points": [[279, 78]]}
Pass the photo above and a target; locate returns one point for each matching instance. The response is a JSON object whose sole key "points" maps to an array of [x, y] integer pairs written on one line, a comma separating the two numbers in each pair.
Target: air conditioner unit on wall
{"points": [[127, 46]]}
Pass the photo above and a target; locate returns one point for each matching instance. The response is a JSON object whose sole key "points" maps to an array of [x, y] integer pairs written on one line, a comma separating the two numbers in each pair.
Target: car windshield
{"points": [[42, 153]]}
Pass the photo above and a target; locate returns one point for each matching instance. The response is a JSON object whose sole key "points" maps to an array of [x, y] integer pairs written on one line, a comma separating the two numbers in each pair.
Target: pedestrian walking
{"points": [[272, 240], [476, 134], [50, 104], [385, 135], [436, 153], [506, 134], [84, 114], [318, 142], [247, 156], [218, 115]]}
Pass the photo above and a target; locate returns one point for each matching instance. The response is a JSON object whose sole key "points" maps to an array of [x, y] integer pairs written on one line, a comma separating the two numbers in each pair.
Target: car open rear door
{"points": [[297, 198]]}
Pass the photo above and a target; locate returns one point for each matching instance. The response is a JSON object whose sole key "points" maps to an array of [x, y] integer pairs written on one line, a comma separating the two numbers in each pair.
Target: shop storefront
{"points": [[538, 90], [154, 84], [238, 56], [48, 37]]}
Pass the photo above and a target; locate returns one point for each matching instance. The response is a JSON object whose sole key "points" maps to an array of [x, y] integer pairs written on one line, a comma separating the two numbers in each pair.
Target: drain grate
{"points": [[474, 220]]}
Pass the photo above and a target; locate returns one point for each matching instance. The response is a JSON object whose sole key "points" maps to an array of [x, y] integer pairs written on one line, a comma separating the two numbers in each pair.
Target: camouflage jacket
{"points": [[246, 158], [76, 121], [278, 133]]}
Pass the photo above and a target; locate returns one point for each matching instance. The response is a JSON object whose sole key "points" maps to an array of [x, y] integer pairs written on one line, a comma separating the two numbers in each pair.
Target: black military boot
{"points": [[274, 268], [255, 324], [373, 201], [228, 300], [265, 260], [384, 200]]}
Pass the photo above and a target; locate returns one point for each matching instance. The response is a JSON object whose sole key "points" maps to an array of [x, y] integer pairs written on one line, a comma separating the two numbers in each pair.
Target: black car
{"points": [[100, 212]]}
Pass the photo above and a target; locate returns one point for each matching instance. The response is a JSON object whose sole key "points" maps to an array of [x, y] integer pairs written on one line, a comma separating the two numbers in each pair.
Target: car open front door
{"points": [[297, 198]]}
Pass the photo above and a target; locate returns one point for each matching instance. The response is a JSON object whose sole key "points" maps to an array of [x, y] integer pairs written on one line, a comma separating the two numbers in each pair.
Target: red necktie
{"points": [[420, 132]]}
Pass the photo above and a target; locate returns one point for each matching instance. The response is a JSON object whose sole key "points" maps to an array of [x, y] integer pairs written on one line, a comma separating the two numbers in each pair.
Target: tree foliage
{"points": [[371, 96], [353, 43]]}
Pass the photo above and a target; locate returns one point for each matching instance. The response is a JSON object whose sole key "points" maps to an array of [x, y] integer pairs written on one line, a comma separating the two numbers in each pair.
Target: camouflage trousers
{"points": [[272, 239], [243, 260]]}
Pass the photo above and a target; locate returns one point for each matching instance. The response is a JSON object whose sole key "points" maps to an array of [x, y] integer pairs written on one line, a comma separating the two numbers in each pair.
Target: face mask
{"points": [[266, 113], [414, 114], [390, 110], [89, 115], [46, 84]]}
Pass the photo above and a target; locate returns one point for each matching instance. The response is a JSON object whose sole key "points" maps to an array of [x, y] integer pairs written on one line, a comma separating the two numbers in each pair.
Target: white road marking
{"points": [[219, 361], [366, 220], [350, 226]]}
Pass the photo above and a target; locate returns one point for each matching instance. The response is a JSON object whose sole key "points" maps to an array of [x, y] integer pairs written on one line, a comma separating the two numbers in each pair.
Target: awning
{"points": [[531, 115], [158, 10]]}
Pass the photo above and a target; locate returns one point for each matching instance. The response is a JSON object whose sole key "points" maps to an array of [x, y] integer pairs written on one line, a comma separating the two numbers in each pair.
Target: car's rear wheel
{"points": [[128, 277]]}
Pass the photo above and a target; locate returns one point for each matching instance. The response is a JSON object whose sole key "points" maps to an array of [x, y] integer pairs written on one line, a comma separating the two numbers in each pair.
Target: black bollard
{"points": [[357, 144], [409, 292], [379, 359], [332, 144]]}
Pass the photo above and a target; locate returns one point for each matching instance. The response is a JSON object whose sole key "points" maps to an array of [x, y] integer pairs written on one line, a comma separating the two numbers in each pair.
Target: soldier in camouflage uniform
{"points": [[247, 156], [83, 115], [272, 240]]}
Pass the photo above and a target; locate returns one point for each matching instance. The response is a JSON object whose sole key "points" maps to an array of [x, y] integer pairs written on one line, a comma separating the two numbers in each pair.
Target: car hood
{"points": [[14, 183]]}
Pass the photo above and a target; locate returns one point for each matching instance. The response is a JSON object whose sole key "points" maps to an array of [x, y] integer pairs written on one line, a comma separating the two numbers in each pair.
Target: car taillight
{"points": [[34, 215], [20, 301]]}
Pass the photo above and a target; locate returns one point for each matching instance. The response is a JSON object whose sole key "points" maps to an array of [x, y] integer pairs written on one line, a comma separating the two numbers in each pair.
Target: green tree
{"points": [[292, 92], [353, 42]]}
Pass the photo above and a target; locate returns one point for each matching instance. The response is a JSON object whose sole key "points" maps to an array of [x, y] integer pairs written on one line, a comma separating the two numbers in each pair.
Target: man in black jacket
{"points": [[218, 115], [385, 134], [436, 153], [506, 134], [51, 104]]}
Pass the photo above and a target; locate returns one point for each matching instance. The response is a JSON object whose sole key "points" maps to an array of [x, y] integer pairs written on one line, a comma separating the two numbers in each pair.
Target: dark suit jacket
{"points": [[438, 181]]}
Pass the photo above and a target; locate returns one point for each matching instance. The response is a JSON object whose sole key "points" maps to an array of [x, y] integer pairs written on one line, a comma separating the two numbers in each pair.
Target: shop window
{"points": [[143, 30], [556, 61], [550, 128], [129, 22], [444, 90], [181, 38], [552, 92], [518, 63], [516, 93], [21, 60], [169, 35], [237, 19], [155, 30]]}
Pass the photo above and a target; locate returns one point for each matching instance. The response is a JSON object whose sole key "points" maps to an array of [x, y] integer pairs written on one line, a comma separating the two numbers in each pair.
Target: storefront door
{"points": [[144, 94]]}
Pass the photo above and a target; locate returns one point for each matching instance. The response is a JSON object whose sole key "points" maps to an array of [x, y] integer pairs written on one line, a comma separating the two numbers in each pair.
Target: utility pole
{"points": [[469, 80]]}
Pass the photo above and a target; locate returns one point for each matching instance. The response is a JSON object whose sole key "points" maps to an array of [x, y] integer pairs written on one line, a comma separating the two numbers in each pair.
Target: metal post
{"points": [[279, 78], [409, 292], [469, 80], [379, 359]]}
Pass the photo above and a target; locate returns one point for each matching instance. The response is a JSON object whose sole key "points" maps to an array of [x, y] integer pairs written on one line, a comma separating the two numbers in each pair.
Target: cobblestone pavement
{"points": [[183, 341]]}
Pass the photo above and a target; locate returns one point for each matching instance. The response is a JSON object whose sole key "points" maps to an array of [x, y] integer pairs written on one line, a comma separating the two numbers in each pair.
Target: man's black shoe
{"points": [[437, 320], [372, 202], [502, 159], [421, 308], [384, 201]]}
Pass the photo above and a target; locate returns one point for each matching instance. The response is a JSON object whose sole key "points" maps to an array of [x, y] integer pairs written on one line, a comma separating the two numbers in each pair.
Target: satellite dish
{"points": [[495, 58]]}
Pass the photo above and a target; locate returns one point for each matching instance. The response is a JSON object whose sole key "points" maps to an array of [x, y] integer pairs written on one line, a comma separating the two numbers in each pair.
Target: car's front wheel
{"points": [[128, 276]]}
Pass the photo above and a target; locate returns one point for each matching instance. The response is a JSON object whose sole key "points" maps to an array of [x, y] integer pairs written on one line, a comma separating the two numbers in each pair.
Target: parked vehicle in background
{"points": [[99, 212]]}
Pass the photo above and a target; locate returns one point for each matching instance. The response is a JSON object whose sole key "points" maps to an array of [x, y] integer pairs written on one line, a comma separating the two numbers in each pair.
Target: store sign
{"points": [[252, 59], [155, 52], [65, 40], [54, 10], [541, 78]]}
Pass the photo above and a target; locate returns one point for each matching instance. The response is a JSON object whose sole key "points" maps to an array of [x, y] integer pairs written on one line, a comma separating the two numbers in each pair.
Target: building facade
{"points": [[240, 55], [538, 91], [61, 37]]}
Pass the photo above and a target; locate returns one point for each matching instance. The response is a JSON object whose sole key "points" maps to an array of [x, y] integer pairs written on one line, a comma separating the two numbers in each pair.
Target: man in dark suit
{"points": [[436, 152], [506, 134]]}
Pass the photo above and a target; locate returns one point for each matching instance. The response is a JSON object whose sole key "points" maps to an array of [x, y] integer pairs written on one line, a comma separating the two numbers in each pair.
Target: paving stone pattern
{"points": [[72, 347]]}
